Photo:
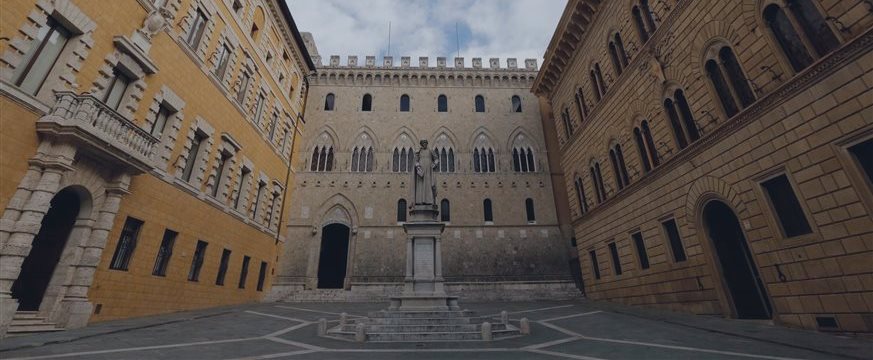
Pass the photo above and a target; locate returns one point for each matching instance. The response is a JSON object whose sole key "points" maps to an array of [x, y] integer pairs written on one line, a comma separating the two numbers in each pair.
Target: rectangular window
{"points": [[786, 206], [223, 160], [244, 272], [273, 124], [195, 33], [223, 59], [193, 154], [863, 154], [256, 204], [162, 260], [45, 49], [262, 274], [616, 262], [259, 110], [244, 176], [126, 244], [116, 89], [594, 265], [197, 261], [641, 250], [243, 87], [160, 121], [222, 267], [675, 241]]}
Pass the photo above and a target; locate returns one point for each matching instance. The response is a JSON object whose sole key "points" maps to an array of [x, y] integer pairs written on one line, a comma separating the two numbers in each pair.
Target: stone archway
{"points": [[333, 256]]}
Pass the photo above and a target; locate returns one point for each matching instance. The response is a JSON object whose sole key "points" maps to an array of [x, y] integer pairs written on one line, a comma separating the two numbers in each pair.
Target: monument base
{"points": [[424, 303]]}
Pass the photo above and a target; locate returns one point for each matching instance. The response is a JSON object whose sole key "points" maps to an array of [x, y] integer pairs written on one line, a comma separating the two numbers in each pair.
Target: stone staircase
{"points": [[318, 295], [423, 326], [29, 322]]}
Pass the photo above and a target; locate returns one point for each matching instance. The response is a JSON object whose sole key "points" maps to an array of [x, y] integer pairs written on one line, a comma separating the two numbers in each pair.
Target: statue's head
{"points": [[423, 144]]}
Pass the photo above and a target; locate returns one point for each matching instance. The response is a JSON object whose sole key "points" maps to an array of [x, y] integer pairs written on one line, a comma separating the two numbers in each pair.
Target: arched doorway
{"points": [[48, 245], [745, 290], [333, 256]]}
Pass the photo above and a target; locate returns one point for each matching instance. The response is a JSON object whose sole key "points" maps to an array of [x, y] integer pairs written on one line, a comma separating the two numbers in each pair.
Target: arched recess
{"points": [[709, 34], [336, 210], [703, 195], [444, 135]]}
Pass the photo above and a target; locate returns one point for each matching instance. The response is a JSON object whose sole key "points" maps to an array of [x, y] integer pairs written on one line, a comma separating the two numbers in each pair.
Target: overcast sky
{"points": [[485, 28]]}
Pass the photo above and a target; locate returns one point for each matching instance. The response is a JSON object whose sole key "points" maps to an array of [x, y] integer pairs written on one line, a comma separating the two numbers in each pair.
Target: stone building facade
{"points": [[146, 150], [364, 121], [719, 155]]}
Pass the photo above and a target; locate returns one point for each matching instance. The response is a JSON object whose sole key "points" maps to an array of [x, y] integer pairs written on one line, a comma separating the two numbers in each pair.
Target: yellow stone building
{"points": [[145, 151]]}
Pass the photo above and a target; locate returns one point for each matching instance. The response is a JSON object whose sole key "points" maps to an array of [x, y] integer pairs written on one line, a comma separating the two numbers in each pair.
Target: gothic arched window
{"points": [[516, 104], [329, 102], [618, 166], [480, 103], [442, 103], [404, 103], [681, 119], [367, 103]]}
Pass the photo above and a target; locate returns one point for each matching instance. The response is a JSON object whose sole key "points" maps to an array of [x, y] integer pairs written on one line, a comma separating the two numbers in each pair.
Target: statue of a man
{"points": [[425, 186]]}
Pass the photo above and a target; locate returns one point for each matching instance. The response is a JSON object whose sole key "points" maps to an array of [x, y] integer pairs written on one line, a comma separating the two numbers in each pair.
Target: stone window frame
{"points": [[601, 191], [779, 53], [620, 167], [636, 250], [662, 228], [711, 52], [617, 54], [857, 178], [400, 103], [227, 147], [133, 66], [211, 13], [256, 211], [274, 211], [669, 93], [242, 190], [168, 99], [769, 210], [62, 76], [615, 258], [594, 262], [581, 195], [228, 39], [247, 67], [197, 176]]}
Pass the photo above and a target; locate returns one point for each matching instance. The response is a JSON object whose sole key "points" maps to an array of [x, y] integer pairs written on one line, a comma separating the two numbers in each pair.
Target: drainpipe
{"points": [[300, 117]]}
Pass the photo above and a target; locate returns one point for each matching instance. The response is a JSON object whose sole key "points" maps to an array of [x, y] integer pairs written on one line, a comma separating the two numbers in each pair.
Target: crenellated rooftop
{"points": [[423, 63]]}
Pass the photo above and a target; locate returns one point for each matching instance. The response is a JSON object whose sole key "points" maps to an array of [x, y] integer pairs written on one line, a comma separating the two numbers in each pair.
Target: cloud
{"points": [[485, 28]]}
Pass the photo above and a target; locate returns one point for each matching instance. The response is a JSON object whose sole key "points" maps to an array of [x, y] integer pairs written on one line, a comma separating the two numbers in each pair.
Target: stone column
{"points": [[439, 285], [407, 280], [17, 202], [20, 241], [75, 308]]}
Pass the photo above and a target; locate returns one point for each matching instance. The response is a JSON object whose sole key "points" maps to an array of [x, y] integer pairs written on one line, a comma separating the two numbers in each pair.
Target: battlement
{"points": [[423, 63]]}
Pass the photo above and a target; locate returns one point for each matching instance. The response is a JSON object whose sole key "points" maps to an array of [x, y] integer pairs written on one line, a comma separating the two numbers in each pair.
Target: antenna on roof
{"points": [[389, 39]]}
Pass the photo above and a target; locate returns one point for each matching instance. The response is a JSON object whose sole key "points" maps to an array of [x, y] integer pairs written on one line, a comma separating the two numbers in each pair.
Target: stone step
{"points": [[26, 315], [32, 328], [338, 295], [420, 314], [424, 336], [417, 321], [422, 328], [28, 321]]}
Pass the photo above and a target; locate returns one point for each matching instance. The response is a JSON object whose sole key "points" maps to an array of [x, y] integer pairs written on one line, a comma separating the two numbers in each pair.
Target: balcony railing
{"points": [[109, 134]]}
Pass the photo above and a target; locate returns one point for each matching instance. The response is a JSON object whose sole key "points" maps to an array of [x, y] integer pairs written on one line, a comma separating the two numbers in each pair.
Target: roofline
{"points": [[283, 5]]}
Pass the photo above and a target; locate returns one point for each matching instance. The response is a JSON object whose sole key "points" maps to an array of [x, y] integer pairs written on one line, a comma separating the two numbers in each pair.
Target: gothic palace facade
{"points": [[719, 155]]}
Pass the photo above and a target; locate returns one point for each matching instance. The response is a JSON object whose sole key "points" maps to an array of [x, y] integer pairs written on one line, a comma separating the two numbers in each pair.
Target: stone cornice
{"points": [[571, 29], [850, 51], [429, 77]]}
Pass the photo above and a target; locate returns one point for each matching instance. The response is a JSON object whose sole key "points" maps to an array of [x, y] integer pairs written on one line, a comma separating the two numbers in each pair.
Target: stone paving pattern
{"points": [[560, 330]]}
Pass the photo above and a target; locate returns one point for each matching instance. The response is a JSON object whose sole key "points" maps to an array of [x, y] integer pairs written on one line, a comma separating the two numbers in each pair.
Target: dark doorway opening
{"points": [[744, 286], [40, 263], [334, 256]]}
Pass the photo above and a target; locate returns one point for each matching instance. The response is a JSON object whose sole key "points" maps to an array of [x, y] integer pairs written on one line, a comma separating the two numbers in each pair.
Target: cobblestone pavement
{"points": [[559, 330]]}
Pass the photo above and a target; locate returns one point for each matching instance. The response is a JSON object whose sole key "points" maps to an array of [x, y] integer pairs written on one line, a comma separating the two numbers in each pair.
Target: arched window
{"points": [[646, 146], [362, 159], [445, 211], [618, 167], [477, 164], [329, 102], [522, 155], [616, 52], [802, 32], [451, 161], [597, 84], [395, 166], [322, 154], [491, 167], [369, 159], [580, 195], [480, 103], [734, 93], [483, 160], [401, 210], [640, 25], [581, 106], [486, 207], [568, 123], [402, 160], [681, 119], [529, 210], [442, 103], [444, 160], [404, 103], [594, 87], [516, 104], [597, 179], [367, 103]]}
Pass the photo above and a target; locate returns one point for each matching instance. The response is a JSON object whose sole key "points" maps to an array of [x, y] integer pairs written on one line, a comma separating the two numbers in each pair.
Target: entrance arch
{"points": [[333, 256], [743, 286], [48, 245]]}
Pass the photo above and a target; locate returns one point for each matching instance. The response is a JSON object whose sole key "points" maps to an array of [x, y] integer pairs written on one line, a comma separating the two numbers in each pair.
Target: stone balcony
{"points": [[100, 131]]}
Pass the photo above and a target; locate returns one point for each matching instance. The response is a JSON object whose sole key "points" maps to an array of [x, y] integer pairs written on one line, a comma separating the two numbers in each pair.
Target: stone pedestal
{"points": [[8, 307], [423, 285]]}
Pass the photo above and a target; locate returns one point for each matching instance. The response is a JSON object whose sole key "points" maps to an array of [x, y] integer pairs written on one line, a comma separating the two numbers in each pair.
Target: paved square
{"points": [[560, 330]]}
